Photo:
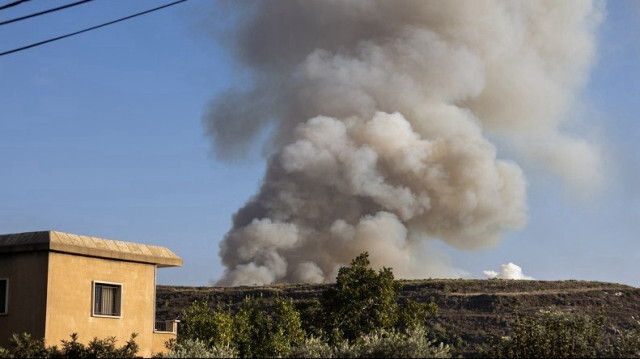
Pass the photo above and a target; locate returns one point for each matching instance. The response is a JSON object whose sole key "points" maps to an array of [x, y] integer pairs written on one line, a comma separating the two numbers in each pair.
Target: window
{"points": [[107, 299], [4, 295]]}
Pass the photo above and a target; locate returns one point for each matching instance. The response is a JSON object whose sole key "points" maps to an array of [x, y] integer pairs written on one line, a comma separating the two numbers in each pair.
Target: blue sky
{"points": [[101, 135]]}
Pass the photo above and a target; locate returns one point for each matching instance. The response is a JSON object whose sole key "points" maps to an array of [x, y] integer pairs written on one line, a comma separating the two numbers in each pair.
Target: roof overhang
{"points": [[88, 246]]}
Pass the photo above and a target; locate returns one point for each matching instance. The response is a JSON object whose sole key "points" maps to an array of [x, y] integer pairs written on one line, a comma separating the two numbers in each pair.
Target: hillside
{"points": [[470, 309]]}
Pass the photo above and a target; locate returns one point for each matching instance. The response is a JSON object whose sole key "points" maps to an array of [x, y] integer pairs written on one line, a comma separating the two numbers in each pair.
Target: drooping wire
{"points": [[89, 29], [12, 4], [44, 12]]}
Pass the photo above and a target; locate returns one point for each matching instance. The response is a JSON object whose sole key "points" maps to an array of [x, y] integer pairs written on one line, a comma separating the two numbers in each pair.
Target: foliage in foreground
{"points": [[198, 349], [380, 343], [24, 346], [383, 343], [359, 316], [558, 334], [553, 334], [212, 327], [361, 300], [623, 344], [252, 331]]}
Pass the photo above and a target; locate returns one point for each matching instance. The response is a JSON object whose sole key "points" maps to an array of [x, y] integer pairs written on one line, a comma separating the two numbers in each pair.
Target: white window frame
{"points": [[5, 310], [93, 299]]}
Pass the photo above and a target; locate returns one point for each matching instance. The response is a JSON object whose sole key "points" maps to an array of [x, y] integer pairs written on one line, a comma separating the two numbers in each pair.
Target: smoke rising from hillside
{"points": [[381, 115]]}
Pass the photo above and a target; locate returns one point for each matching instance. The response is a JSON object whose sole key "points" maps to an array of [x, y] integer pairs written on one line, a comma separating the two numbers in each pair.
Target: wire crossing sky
{"points": [[109, 134], [76, 32], [21, 18], [12, 4]]}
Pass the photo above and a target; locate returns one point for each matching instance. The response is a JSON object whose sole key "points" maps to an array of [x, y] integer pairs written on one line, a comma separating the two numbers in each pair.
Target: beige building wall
{"points": [[69, 300], [159, 341], [27, 273]]}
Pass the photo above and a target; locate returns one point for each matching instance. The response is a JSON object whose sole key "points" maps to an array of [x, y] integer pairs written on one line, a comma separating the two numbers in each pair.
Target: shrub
{"points": [[624, 344], [413, 314], [106, 348], [194, 348], [380, 343], [394, 344], [311, 316], [553, 334], [312, 347], [23, 346]]}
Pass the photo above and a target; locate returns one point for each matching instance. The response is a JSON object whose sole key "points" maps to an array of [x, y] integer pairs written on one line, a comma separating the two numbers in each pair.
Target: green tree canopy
{"points": [[361, 301], [199, 321]]}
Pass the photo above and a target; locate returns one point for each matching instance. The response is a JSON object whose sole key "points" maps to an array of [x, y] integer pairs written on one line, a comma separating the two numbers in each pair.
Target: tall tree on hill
{"points": [[361, 301]]}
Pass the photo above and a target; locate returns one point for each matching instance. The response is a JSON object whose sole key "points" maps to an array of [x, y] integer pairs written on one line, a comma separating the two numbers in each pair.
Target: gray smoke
{"points": [[380, 115]]}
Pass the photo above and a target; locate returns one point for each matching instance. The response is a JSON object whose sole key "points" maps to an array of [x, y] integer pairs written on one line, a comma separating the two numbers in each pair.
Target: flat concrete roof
{"points": [[88, 246]]}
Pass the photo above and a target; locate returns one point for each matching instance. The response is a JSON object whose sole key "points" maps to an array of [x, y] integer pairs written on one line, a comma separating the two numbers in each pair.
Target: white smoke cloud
{"points": [[381, 113], [507, 271]]}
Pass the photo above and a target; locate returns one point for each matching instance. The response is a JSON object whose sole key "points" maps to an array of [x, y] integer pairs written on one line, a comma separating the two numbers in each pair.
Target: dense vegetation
{"points": [[368, 313], [363, 315], [24, 346], [359, 316]]}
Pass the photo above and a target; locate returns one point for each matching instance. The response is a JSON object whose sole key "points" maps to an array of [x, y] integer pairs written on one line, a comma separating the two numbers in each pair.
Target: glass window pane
{"points": [[107, 299]]}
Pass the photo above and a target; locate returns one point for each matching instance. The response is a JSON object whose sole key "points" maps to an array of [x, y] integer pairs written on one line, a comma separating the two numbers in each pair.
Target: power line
{"points": [[43, 12], [12, 4], [89, 29]]}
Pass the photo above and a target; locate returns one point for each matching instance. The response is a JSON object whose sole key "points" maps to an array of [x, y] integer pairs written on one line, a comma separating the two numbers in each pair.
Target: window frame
{"points": [[93, 299], [5, 310]]}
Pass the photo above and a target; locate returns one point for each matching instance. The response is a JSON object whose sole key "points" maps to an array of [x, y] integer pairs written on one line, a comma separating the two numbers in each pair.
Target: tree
{"points": [[288, 326], [361, 301], [213, 327], [257, 334]]}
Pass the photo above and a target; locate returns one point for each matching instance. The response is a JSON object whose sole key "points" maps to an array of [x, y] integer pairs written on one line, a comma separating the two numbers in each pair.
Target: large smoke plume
{"points": [[381, 115]]}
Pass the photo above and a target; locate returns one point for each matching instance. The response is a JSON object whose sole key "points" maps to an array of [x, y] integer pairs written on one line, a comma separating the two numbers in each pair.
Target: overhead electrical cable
{"points": [[89, 29], [44, 12], [12, 4]]}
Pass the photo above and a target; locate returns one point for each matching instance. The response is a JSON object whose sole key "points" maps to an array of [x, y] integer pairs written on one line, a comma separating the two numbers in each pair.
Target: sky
{"points": [[101, 134]]}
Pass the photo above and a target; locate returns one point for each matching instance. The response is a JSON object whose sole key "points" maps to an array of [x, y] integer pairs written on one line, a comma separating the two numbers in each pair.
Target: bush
{"points": [[198, 349], [311, 316], [106, 348], [394, 344], [624, 344], [553, 334], [24, 346], [413, 314], [312, 347], [380, 343]]}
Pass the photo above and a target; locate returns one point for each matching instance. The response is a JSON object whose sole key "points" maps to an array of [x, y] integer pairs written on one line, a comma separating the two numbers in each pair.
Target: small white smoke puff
{"points": [[507, 271], [381, 114]]}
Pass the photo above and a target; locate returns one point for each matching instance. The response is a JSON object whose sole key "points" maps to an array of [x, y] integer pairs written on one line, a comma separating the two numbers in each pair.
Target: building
{"points": [[53, 284]]}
